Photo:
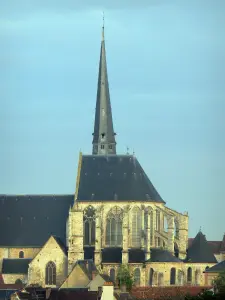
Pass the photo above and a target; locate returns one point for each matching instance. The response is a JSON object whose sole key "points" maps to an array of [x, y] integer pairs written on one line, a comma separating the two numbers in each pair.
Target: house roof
{"points": [[200, 250], [161, 255], [216, 246], [73, 295], [15, 265], [220, 267], [114, 178], [29, 221]]}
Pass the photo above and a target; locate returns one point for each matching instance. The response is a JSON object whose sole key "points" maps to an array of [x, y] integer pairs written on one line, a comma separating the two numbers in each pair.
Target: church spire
{"points": [[103, 136]]}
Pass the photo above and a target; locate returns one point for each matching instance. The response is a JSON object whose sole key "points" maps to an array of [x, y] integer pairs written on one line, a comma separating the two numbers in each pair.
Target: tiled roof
{"points": [[29, 221], [114, 178], [220, 267], [15, 265], [200, 251], [161, 255]]}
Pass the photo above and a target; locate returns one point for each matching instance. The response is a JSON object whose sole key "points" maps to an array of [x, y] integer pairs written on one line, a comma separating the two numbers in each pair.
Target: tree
{"points": [[124, 277], [219, 283]]}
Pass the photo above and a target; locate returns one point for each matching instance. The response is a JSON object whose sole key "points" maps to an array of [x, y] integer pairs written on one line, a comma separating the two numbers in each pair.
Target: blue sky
{"points": [[166, 68]]}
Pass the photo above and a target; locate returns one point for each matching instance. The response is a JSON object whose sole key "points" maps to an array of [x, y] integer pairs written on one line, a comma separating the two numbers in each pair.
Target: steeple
{"points": [[103, 137]]}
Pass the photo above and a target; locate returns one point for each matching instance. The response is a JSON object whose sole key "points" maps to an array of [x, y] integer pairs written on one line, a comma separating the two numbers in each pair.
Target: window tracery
{"points": [[50, 273], [136, 227], [114, 222], [89, 226]]}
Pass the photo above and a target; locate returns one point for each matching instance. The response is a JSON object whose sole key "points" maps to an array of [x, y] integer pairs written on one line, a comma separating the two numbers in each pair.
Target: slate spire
{"points": [[104, 136]]}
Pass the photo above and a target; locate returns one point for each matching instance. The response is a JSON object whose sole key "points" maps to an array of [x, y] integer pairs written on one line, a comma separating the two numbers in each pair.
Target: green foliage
{"points": [[219, 283], [124, 277]]}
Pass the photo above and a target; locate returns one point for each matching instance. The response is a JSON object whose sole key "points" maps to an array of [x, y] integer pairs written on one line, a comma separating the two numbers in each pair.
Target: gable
{"points": [[76, 279], [51, 251]]}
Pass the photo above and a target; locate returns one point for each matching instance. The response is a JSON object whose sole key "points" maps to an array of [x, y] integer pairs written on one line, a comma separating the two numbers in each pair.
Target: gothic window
{"points": [[50, 273], [136, 227], [173, 276], [158, 220], [151, 275], [114, 222], [189, 275], [137, 276], [102, 146], [112, 275], [89, 226], [21, 254]]}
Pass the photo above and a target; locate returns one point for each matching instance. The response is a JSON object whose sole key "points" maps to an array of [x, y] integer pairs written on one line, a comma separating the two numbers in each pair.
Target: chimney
{"points": [[107, 291], [94, 274]]}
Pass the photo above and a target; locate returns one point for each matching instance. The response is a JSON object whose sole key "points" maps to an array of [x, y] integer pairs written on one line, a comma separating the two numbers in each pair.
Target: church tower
{"points": [[104, 136]]}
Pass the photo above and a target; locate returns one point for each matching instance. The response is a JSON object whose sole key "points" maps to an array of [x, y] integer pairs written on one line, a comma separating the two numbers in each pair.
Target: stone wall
{"points": [[50, 252], [11, 278]]}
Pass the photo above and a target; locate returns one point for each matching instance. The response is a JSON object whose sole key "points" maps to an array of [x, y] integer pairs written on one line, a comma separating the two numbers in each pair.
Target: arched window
{"points": [[189, 275], [158, 220], [112, 275], [114, 223], [21, 254], [50, 273], [173, 276], [18, 281], [137, 276], [197, 277], [136, 227], [89, 226], [160, 279], [151, 275]]}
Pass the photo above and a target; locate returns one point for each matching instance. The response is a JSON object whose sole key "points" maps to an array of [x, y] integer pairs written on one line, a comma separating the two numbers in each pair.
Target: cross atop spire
{"points": [[104, 136]]}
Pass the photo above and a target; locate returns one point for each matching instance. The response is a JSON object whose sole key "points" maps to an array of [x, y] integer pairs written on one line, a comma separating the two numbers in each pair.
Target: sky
{"points": [[166, 69]]}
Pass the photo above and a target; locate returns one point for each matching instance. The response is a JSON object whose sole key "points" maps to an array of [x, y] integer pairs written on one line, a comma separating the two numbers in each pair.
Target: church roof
{"points": [[162, 255], [15, 265], [200, 251], [30, 220], [114, 178], [220, 267]]}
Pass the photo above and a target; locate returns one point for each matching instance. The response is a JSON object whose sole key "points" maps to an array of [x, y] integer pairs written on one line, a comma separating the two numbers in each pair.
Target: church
{"points": [[116, 216]]}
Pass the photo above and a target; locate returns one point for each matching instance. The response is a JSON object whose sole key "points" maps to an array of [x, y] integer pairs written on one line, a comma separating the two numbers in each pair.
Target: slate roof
{"points": [[161, 255], [112, 255], [114, 178], [15, 265], [30, 220], [216, 246], [73, 295], [136, 255], [200, 251], [220, 267]]}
